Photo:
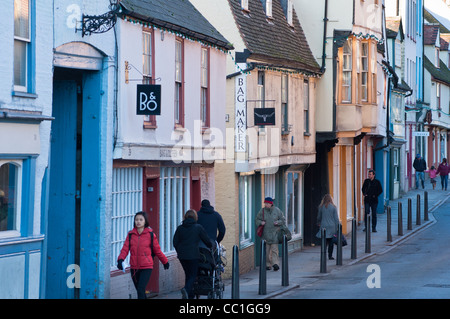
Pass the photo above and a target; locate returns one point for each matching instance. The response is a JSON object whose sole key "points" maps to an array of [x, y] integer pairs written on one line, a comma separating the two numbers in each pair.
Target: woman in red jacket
{"points": [[142, 248]]}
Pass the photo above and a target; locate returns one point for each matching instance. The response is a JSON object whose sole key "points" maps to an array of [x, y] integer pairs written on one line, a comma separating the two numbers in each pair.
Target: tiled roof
{"points": [[176, 15], [273, 41], [445, 40], [393, 26], [430, 33], [442, 73], [431, 19]]}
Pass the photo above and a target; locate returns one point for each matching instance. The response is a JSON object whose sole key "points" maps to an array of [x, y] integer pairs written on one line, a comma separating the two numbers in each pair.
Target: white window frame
{"points": [[23, 40], [269, 8], [17, 199], [348, 85], [244, 5], [289, 15], [246, 223], [297, 198]]}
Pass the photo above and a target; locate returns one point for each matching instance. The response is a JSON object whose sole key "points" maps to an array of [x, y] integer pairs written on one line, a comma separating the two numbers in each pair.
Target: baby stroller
{"points": [[209, 277]]}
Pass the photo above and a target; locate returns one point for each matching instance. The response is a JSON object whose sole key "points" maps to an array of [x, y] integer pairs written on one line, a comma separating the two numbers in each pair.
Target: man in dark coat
{"points": [[420, 166], [211, 221], [371, 189]]}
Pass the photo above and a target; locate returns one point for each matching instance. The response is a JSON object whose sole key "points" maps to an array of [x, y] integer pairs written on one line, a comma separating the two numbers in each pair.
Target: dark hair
{"points": [[191, 214], [143, 214], [372, 171]]}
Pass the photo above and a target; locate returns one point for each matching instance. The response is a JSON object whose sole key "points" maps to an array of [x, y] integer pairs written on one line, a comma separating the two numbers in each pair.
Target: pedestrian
{"points": [[371, 189], [142, 244], [186, 241], [420, 165], [328, 218], [211, 221], [272, 218], [443, 170], [432, 173]]}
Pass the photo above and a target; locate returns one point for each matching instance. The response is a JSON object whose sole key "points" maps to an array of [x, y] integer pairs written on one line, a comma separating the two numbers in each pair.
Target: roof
{"points": [[393, 27], [441, 74], [430, 18], [445, 40], [175, 15], [274, 41], [430, 33]]}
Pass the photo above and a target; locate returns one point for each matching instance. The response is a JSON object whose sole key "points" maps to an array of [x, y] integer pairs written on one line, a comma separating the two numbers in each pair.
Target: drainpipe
{"points": [[325, 22]]}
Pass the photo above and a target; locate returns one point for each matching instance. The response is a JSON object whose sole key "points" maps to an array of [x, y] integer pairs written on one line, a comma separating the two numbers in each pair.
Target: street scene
{"points": [[224, 149]]}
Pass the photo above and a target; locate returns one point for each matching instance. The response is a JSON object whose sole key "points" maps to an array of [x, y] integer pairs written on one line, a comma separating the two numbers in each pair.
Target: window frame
{"points": [[246, 201], [205, 84], [149, 120], [179, 87], [27, 41], [306, 107], [16, 231], [349, 71], [284, 104]]}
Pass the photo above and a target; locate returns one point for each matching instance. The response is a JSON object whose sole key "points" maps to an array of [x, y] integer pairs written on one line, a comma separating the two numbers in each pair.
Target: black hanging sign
{"points": [[148, 99], [265, 116]]}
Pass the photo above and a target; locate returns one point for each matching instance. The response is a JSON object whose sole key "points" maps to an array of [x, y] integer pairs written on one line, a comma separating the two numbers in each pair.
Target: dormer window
{"points": [[436, 58], [289, 12], [244, 5], [269, 8]]}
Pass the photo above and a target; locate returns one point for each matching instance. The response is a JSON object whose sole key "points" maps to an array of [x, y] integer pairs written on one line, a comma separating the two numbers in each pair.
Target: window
{"points": [[436, 58], [284, 104], [260, 92], [22, 40], [147, 69], [289, 12], [244, 5], [438, 97], [174, 201], [396, 163], [347, 72], [293, 201], [10, 197], [374, 71], [179, 75], [126, 202], [364, 69], [269, 8], [245, 208], [205, 106], [306, 105]]}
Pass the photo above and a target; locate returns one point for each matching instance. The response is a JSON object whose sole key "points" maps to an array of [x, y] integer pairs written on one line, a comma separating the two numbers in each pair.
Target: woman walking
{"points": [[328, 219], [443, 170], [142, 244]]}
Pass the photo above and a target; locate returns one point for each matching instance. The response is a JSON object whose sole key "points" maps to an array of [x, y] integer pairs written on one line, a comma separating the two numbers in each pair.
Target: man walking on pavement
{"points": [[211, 221], [420, 166], [371, 189]]}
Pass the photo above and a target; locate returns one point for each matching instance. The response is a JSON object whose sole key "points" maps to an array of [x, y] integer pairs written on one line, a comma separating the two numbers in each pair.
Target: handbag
{"points": [[260, 229], [284, 231], [334, 240]]}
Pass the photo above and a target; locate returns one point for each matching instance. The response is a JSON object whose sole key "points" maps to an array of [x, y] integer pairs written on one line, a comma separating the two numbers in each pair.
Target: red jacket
{"points": [[443, 169], [140, 252]]}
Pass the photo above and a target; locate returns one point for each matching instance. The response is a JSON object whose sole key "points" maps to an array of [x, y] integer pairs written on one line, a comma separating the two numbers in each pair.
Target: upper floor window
{"points": [[22, 40], [244, 5], [10, 194], [147, 69], [269, 8], [306, 102], [284, 104], [347, 72], [260, 92], [364, 70], [204, 103], [289, 12], [179, 75]]}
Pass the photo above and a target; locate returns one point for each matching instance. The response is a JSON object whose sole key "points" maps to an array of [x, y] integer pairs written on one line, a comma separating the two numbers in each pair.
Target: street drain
{"points": [[438, 285]]}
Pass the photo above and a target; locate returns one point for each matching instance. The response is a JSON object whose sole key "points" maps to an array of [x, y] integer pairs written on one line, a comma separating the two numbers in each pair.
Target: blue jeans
{"points": [[444, 181], [421, 176]]}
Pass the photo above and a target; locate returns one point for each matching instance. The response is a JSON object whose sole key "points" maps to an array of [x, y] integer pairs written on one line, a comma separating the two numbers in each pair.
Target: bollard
{"points": [[425, 206], [262, 270], [409, 214], [368, 248], [353, 253], [235, 274], [339, 246], [323, 251], [284, 265], [418, 210], [388, 216], [400, 219]]}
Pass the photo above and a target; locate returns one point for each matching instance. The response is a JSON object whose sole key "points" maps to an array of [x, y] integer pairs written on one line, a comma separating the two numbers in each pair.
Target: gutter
{"points": [[325, 22]]}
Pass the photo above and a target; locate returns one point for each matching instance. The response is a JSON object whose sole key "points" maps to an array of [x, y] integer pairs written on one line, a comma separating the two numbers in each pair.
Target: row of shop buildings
{"points": [[112, 107]]}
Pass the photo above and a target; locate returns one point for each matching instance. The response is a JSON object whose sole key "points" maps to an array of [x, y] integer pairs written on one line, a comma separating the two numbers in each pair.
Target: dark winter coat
{"points": [[138, 245], [211, 222], [419, 164], [371, 189], [443, 169], [187, 239]]}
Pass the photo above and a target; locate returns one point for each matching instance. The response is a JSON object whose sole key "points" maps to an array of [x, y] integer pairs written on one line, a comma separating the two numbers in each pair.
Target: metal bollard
{"points": [[368, 248], [425, 206], [323, 251], [353, 253], [284, 265], [388, 216], [400, 219], [409, 214], [262, 270], [418, 210], [339, 246], [235, 274]]}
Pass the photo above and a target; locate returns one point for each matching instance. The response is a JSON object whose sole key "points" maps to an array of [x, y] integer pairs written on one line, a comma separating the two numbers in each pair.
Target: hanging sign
{"points": [[148, 99], [241, 112], [265, 116]]}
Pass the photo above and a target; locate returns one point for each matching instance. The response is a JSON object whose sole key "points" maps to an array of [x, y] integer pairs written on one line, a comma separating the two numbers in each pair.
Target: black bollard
{"points": [[368, 248], [418, 210], [353, 253], [235, 274], [339, 246], [323, 251], [400, 219], [284, 265], [409, 214], [425, 206], [262, 270], [388, 216]]}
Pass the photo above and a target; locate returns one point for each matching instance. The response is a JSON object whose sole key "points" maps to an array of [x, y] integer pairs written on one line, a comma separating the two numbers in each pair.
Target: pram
{"points": [[209, 276]]}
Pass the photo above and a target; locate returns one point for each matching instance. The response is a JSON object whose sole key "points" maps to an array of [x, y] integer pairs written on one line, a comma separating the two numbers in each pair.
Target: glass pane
{"points": [[147, 53], [8, 202], [21, 19], [20, 63]]}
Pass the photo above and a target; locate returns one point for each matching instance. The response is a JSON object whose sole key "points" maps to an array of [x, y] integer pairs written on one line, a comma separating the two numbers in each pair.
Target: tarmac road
{"points": [[418, 268]]}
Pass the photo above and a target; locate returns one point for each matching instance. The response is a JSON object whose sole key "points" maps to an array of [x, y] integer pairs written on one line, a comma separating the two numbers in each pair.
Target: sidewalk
{"points": [[304, 265]]}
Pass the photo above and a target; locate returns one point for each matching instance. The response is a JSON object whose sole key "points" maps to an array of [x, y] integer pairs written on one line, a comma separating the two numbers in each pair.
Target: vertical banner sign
{"points": [[148, 99], [241, 111]]}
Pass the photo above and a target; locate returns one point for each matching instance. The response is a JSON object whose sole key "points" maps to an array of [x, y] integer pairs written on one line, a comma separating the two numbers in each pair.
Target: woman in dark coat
{"points": [[328, 219], [186, 242]]}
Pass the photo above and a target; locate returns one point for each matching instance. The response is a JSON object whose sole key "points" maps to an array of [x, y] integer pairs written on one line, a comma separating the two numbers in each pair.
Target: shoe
{"points": [[184, 294], [268, 268], [374, 230], [331, 258], [275, 267], [364, 229]]}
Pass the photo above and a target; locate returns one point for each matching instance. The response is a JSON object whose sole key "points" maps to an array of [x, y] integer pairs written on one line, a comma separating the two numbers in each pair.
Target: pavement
{"points": [[304, 265]]}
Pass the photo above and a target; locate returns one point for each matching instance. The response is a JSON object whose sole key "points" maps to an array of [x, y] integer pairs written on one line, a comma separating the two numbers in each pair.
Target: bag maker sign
{"points": [[148, 99]]}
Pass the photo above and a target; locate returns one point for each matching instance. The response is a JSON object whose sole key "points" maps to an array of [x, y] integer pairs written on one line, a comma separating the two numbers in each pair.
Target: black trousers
{"points": [[330, 247], [368, 207], [140, 278], [190, 267]]}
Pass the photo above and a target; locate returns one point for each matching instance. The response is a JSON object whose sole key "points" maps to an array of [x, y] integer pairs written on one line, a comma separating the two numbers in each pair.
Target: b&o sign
{"points": [[148, 99]]}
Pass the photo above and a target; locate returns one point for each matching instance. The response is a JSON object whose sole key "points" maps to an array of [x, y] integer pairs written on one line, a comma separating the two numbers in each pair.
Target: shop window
{"points": [[10, 198]]}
